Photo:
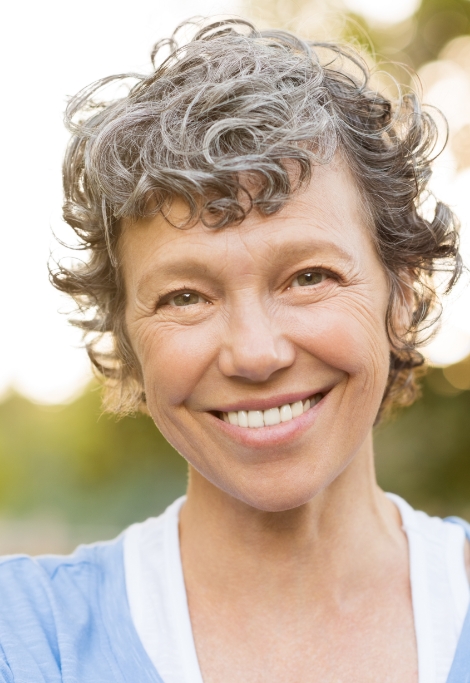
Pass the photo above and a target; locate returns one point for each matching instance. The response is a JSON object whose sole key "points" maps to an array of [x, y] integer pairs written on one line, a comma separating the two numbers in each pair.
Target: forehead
{"points": [[327, 218]]}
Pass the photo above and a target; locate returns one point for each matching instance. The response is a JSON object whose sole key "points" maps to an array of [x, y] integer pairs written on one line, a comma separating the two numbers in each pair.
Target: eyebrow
{"points": [[315, 247], [191, 267]]}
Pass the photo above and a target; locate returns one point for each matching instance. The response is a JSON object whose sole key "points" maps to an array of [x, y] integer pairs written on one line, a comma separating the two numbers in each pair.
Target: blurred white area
{"points": [[49, 50], [452, 343], [383, 11], [446, 85]]}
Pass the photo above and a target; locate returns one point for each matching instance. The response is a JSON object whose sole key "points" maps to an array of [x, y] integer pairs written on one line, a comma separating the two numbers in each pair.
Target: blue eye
{"points": [[310, 277]]}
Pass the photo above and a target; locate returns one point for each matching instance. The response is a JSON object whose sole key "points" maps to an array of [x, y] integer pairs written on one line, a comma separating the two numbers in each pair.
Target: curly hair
{"points": [[234, 103]]}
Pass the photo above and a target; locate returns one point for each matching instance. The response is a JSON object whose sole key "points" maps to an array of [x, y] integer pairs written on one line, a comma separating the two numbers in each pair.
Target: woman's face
{"points": [[263, 346]]}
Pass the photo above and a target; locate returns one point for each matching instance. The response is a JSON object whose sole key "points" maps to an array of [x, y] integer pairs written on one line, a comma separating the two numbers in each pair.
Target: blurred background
{"points": [[70, 474]]}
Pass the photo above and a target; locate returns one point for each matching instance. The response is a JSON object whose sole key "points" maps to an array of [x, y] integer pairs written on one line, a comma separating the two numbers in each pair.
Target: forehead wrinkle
{"points": [[291, 249], [194, 260], [287, 240], [186, 263]]}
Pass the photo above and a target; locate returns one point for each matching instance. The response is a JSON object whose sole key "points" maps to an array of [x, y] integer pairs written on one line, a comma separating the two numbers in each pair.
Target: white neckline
{"points": [[178, 595], [419, 593], [439, 588]]}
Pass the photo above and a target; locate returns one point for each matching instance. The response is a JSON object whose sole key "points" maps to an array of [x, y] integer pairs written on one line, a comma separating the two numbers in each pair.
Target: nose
{"points": [[255, 346]]}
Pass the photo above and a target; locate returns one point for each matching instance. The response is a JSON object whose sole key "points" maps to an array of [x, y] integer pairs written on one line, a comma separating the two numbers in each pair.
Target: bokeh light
{"points": [[383, 12], [446, 85]]}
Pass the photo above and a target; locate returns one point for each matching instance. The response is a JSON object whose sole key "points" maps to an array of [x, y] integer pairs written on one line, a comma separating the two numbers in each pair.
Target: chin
{"points": [[280, 493], [279, 501]]}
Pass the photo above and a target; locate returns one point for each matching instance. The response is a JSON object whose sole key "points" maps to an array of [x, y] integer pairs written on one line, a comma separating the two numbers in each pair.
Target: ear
{"points": [[403, 303]]}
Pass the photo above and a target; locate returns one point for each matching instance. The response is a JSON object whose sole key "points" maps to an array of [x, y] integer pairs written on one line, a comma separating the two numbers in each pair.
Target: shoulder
{"points": [[50, 581], [52, 605]]}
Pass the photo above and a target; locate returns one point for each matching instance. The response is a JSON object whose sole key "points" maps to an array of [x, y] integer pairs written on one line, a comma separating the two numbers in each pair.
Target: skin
{"points": [[295, 564]]}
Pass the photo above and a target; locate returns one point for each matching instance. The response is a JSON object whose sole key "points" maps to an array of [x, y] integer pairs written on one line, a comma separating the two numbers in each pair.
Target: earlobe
{"points": [[402, 304]]}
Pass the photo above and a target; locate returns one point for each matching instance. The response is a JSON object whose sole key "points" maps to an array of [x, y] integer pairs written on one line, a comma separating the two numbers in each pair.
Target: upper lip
{"points": [[271, 402]]}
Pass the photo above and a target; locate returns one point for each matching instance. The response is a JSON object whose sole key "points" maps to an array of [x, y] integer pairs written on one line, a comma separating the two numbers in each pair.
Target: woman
{"points": [[259, 268]]}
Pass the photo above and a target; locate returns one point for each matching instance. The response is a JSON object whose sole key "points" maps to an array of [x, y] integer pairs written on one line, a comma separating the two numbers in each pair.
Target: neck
{"points": [[340, 534]]}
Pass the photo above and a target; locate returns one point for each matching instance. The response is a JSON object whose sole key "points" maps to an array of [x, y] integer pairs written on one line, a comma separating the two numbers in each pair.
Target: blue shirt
{"points": [[67, 620]]}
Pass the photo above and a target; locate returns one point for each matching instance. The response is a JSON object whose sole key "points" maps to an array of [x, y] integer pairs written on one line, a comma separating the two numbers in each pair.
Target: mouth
{"points": [[256, 419]]}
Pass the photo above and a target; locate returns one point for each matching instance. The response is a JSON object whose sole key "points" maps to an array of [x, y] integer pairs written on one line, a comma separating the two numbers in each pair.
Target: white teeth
{"points": [[255, 418], [286, 413], [273, 416], [233, 418], [242, 418]]}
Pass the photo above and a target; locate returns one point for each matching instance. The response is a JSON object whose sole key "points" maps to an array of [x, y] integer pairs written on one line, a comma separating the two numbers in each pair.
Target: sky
{"points": [[49, 50]]}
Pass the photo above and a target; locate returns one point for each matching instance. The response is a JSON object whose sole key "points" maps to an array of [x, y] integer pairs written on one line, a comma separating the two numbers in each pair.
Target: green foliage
{"points": [[424, 454], [69, 461], [436, 23], [416, 40]]}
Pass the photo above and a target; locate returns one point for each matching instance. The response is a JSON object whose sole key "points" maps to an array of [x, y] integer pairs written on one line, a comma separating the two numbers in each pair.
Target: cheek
{"points": [[347, 335], [173, 359]]}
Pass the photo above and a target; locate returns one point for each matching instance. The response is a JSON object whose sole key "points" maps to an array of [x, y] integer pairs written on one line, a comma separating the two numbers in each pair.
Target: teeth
{"points": [[273, 416], [255, 418], [242, 418], [286, 413]]}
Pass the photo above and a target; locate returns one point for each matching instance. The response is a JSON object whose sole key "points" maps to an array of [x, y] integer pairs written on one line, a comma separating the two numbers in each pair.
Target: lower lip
{"points": [[274, 435]]}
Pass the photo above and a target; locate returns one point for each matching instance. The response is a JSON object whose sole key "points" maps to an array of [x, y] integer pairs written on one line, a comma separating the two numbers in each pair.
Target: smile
{"points": [[255, 419]]}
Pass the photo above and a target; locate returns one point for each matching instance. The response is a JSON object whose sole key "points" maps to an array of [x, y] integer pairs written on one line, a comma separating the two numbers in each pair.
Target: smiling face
{"points": [[263, 346]]}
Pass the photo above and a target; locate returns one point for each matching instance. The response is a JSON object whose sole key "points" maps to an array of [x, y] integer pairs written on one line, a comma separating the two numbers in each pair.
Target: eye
{"points": [[186, 299], [310, 277]]}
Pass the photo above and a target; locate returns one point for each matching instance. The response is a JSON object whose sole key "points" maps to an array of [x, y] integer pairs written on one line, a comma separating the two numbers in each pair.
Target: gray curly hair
{"points": [[232, 104]]}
